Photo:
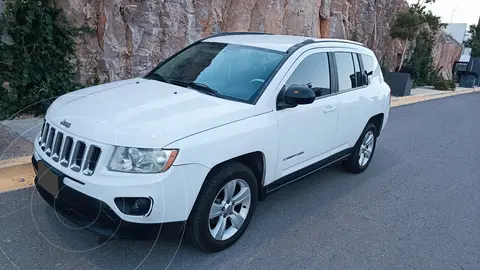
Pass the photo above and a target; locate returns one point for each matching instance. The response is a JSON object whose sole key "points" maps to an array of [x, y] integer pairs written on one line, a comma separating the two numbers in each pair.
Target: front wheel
{"points": [[224, 207], [363, 150]]}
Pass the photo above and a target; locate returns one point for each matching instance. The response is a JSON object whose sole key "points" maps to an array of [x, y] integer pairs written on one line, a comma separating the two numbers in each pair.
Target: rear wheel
{"points": [[363, 150], [224, 207]]}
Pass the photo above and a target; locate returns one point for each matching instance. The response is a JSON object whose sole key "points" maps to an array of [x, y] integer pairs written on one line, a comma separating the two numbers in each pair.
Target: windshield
{"points": [[225, 70]]}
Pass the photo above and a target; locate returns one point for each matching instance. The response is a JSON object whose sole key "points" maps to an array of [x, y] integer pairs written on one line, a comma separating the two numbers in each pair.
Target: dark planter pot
{"points": [[474, 66], [400, 83], [467, 81]]}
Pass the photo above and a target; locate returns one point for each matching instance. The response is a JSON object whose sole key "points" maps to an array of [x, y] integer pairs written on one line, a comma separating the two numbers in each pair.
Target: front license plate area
{"points": [[47, 179]]}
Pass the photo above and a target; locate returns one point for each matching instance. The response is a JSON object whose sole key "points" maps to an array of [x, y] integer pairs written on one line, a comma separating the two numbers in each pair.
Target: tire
{"points": [[201, 228], [354, 164]]}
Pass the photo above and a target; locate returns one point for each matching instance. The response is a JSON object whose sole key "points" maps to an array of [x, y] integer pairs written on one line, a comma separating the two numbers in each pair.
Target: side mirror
{"points": [[295, 95]]}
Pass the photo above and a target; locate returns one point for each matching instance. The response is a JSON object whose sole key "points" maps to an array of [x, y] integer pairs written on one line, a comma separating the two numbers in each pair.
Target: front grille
{"points": [[72, 153]]}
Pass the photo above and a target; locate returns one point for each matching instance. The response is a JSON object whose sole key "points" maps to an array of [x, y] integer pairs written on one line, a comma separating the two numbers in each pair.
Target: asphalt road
{"points": [[416, 207]]}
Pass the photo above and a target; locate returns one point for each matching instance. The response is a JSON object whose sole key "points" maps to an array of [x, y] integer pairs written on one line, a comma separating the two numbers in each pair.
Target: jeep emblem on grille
{"points": [[65, 123]]}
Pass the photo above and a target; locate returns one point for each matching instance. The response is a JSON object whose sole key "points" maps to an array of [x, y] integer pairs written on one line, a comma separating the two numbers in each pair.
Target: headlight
{"points": [[142, 160]]}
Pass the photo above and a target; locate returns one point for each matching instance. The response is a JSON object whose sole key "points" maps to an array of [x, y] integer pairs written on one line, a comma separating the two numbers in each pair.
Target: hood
{"points": [[142, 113]]}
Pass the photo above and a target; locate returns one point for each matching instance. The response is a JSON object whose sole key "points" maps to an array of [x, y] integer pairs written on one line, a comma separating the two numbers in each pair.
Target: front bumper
{"points": [[95, 215], [89, 201]]}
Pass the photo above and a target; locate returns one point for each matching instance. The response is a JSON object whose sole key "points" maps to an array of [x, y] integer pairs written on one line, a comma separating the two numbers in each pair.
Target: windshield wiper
{"points": [[204, 87], [197, 86], [157, 77]]}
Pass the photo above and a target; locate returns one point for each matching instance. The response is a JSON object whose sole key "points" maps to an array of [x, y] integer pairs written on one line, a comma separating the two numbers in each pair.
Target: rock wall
{"points": [[368, 21], [446, 51], [132, 36]]}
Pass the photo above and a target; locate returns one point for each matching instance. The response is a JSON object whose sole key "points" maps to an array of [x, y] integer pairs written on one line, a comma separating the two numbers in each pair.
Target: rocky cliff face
{"points": [[446, 51], [132, 36]]}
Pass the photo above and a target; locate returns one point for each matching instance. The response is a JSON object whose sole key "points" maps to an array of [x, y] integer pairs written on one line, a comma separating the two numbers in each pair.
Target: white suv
{"points": [[208, 133]]}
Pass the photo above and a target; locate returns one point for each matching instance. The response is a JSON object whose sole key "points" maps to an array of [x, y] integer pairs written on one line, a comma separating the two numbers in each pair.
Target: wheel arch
{"points": [[377, 121], [253, 160]]}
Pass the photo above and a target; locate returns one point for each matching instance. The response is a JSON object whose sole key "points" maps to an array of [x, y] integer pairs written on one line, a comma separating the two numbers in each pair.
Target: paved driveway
{"points": [[416, 207]]}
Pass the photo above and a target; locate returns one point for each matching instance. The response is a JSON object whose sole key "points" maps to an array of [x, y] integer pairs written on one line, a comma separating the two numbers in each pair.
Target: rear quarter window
{"points": [[369, 67]]}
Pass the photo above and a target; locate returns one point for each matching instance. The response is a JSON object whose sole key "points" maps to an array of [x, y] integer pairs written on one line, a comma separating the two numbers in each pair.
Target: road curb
{"points": [[16, 174], [400, 101], [15, 161]]}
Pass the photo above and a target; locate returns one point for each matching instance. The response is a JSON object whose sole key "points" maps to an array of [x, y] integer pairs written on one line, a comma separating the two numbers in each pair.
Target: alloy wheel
{"points": [[366, 148], [229, 209]]}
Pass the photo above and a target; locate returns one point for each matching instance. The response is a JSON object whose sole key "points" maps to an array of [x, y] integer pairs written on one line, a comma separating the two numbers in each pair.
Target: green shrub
{"points": [[474, 41], [38, 65], [443, 84], [415, 84]]}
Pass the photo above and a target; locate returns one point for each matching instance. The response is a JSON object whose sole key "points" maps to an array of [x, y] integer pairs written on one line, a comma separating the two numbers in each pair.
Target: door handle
{"points": [[329, 108]]}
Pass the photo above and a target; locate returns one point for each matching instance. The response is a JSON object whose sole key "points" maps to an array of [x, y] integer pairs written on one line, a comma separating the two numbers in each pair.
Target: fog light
{"points": [[133, 206], [136, 206]]}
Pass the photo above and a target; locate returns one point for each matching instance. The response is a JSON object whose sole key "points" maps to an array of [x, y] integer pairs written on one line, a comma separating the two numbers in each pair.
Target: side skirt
{"points": [[287, 179]]}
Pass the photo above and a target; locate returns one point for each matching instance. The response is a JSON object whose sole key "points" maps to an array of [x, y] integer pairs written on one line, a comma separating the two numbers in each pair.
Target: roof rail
{"points": [[340, 41], [230, 34], [310, 41], [299, 45], [236, 33]]}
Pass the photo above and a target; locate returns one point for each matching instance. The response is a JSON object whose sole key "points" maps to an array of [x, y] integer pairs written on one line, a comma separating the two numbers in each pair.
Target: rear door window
{"points": [[346, 71]]}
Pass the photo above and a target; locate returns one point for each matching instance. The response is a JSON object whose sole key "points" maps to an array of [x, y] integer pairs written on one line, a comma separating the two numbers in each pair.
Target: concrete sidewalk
{"points": [[17, 136], [12, 145], [25, 128], [430, 90], [428, 93]]}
